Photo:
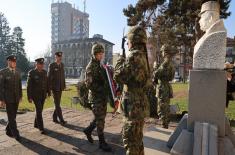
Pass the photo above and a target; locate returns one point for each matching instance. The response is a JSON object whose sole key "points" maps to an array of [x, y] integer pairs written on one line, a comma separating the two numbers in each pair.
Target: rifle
{"points": [[123, 44], [120, 87]]}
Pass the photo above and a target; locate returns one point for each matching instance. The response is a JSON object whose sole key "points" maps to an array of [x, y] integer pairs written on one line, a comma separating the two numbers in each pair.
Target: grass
{"points": [[180, 97], [180, 91], [65, 101]]}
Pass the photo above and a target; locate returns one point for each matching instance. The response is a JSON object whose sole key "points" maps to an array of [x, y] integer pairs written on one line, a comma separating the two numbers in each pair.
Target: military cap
{"points": [[39, 60], [210, 6], [97, 48], [167, 49], [11, 58], [59, 53], [137, 34]]}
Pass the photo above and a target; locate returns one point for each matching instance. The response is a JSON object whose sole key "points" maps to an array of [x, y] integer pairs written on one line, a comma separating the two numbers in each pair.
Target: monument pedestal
{"points": [[206, 117], [207, 98]]}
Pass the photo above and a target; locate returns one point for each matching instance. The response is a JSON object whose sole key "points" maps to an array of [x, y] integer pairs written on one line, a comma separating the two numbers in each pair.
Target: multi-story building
{"points": [[77, 53], [67, 22], [70, 34], [230, 50]]}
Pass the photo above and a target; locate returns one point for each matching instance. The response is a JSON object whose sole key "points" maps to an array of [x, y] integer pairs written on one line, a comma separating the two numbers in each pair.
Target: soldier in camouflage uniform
{"points": [[97, 83], [133, 73], [56, 82], [162, 76], [37, 91], [11, 95]]}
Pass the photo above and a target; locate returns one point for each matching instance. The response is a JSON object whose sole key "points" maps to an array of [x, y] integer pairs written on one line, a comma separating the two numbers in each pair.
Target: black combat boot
{"points": [[103, 145], [165, 125], [89, 130]]}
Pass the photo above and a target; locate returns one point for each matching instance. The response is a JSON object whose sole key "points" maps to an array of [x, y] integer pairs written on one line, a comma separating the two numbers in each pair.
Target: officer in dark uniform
{"points": [[11, 94], [56, 80], [37, 90]]}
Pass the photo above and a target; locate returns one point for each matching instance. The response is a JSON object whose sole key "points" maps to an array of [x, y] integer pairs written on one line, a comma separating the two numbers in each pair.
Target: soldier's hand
{"points": [[30, 100], [121, 59]]}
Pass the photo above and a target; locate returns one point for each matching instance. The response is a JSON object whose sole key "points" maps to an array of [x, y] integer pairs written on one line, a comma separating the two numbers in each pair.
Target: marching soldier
{"points": [[97, 83], [56, 80], [133, 73], [11, 95], [37, 90], [162, 76]]}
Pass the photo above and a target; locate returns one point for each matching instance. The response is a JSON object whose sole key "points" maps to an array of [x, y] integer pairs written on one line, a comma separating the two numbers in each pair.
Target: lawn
{"points": [[180, 97], [65, 100]]}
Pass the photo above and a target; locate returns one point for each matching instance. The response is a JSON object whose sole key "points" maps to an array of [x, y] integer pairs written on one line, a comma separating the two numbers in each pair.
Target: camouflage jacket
{"points": [[96, 81], [37, 85], [56, 77], [164, 74], [133, 73], [10, 86]]}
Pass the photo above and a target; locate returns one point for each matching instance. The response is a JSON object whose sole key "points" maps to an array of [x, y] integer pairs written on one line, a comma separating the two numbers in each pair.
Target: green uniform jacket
{"points": [[56, 77], [96, 82], [133, 73], [164, 74], [10, 86], [37, 85]]}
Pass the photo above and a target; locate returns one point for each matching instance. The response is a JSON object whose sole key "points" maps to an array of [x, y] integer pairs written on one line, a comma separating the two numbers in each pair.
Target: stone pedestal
{"points": [[207, 98], [212, 134]]}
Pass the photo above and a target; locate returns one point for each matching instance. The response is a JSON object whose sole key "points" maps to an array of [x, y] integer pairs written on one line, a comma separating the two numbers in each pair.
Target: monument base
{"points": [[204, 131], [204, 140], [207, 98]]}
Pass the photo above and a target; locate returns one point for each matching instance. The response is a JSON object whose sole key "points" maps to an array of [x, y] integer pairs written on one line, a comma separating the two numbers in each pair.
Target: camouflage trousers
{"points": [[133, 137], [133, 104], [164, 111], [99, 110]]}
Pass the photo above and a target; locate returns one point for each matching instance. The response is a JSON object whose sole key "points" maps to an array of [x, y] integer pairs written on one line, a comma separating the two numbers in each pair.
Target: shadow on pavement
{"points": [[84, 147], [39, 148]]}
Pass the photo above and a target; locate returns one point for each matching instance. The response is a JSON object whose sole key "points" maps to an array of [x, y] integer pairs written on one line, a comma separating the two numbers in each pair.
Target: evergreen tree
{"points": [[142, 12], [17, 48], [175, 24], [4, 39]]}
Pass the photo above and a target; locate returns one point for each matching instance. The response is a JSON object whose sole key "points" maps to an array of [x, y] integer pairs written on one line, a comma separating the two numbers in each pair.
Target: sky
{"points": [[106, 18]]}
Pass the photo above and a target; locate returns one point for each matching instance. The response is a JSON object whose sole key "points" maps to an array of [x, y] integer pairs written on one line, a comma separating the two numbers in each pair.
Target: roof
{"points": [[230, 42], [85, 40]]}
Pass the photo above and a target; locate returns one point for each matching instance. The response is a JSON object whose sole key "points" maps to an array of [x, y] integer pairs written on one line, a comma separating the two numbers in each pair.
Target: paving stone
{"points": [[69, 139]]}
